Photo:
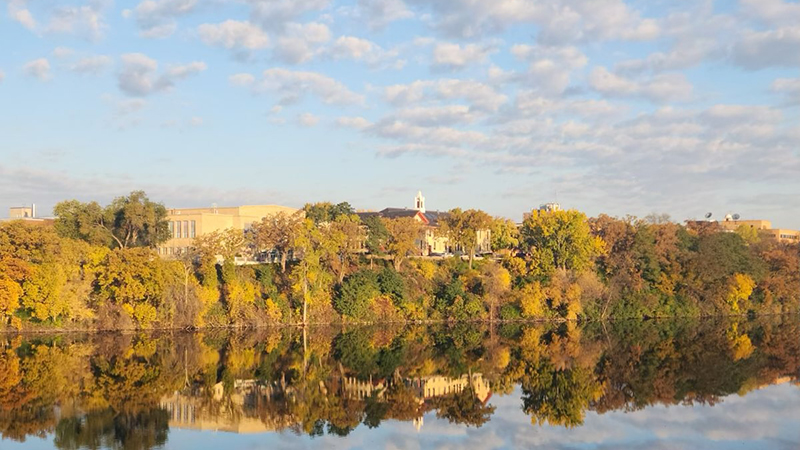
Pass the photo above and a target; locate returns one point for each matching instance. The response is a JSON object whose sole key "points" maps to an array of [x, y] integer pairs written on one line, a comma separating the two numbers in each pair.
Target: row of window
{"points": [[183, 229], [790, 236], [172, 251]]}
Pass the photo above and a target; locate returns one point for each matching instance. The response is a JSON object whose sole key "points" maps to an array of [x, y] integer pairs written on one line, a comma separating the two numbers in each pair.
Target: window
{"points": [[178, 229], [193, 232], [186, 228], [171, 229]]}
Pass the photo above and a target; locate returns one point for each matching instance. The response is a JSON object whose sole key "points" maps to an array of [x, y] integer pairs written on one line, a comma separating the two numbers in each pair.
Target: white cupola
{"points": [[419, 202]]}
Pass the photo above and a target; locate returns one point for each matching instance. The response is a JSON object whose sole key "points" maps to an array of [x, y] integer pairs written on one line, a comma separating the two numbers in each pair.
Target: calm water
{"points": [[701, 384]]}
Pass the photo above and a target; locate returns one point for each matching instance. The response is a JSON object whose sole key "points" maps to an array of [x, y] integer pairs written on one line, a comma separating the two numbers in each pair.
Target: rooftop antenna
{"points": [[708, 215], [736, 217]]}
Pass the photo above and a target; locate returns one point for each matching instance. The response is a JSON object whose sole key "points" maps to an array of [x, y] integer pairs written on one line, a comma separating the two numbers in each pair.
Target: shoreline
{"points": [[300, 326]]}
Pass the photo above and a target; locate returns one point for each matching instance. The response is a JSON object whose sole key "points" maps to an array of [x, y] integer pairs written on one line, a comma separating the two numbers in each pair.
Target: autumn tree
{"points": [[131, 221], [277, 232], [404, 232], [345, 239], [496, 283], [226, 244], [133, 279], [560, 240], [505, 234], [308, 275], [462, 228]]}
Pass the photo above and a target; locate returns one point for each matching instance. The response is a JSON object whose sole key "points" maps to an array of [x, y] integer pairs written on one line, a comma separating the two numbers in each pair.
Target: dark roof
{"points": [[432, 217]]}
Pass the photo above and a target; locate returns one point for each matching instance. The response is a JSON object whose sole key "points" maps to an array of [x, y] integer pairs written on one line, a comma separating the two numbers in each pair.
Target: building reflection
{"points": [[214, 409]]}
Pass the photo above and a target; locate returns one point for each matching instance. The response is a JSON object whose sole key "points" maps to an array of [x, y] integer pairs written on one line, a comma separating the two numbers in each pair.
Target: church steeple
{"points": [[419, 202]]}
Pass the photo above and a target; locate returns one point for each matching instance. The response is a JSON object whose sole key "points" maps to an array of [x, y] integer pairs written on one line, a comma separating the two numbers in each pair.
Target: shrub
{"points": [[355, 295]]}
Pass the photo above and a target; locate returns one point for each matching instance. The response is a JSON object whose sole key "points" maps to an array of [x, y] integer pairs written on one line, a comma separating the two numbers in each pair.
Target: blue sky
{"points": [[680, 106]]}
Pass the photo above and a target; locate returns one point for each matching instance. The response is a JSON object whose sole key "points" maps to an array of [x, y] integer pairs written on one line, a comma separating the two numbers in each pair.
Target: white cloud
{"points": [[307, 120], [559, 21], [86, 21], [454, 56], [406, 132], [18, 12], [291, 85], [301, 42], [91, 64], [671, 87], [138, 75], [379, 13], [232, 34], [358, 49], [276, 14], [38, 68], [789, 87], [156, 18], [772, 12], [196, 121], [437, 115], [359, 123], [480, 96], [772, 48], [550, 67]]}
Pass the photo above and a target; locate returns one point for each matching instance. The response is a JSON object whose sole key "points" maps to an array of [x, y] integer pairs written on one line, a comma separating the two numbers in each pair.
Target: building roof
{"points": [[428, 217]]}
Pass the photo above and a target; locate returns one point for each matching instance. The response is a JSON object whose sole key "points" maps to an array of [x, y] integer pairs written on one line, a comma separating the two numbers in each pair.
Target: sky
{"points": [[766, 418], [607, 106]]}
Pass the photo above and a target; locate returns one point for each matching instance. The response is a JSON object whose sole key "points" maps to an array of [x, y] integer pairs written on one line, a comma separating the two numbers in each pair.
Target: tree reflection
{"points": [[126, 392]]}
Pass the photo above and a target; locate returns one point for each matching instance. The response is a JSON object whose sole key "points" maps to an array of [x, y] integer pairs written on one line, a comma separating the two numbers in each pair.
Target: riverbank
{"points": [[610, 269]]}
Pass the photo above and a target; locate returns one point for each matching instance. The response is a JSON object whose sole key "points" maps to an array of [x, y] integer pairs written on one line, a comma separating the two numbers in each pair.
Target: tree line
{"points": [[96, 267]]}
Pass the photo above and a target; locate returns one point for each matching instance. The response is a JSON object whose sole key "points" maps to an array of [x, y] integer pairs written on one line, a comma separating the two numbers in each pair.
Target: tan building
{"points": [[431, 242], [185, 224], [784, 235], [733, 225], [763, 226], [22, 212]]}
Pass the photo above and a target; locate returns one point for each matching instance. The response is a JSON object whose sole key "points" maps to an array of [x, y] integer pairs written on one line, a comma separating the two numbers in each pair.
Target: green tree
{"points": [[505, 234], [356, 294], [327, 212], [462, 227], [131, 221], [463, 407], [560, 240]]}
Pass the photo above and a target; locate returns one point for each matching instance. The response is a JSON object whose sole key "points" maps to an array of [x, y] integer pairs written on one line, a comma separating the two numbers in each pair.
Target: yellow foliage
{"points": [[427, 269], [502, 358], [532, 300], [241, 360], [10, 293], [742, 347], [740, 291], [145, 314], [573, 298], [272, 310]]}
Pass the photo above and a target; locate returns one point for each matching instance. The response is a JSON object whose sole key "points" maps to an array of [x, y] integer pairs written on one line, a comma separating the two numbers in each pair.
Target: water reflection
{"points": [[137, 391]]}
